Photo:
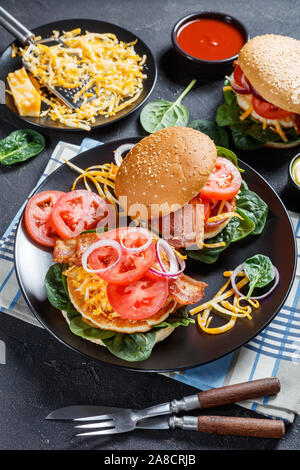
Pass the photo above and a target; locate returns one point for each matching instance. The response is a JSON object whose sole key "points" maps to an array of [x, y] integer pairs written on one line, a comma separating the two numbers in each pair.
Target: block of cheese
{"points": [[26, 97]]}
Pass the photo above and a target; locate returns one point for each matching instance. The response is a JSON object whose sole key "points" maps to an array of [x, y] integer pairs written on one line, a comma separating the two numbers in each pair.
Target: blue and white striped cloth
{"points": [[274, 352]]}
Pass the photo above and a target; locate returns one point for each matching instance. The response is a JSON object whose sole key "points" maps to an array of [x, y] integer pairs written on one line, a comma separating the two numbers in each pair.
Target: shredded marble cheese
{"points": [[220, 304], [246, 113], [225, 215]]}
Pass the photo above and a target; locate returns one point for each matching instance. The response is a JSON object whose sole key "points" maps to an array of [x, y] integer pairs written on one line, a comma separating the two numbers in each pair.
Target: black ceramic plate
{"points": [[7, 64], [186, 347]]}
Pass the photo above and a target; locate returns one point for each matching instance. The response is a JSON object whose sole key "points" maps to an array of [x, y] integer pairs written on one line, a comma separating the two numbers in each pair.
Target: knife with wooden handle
{"points": [[239, 392], [207, 399]]}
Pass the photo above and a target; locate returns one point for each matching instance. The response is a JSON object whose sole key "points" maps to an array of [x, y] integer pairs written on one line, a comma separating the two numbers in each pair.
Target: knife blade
{"points": [[70, 413], [81, 411]]}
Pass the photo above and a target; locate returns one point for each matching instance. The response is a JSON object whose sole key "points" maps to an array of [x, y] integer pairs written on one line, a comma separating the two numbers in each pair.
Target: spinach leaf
{"points": [[160, 114], [20, 145], [71, 311], [244, 186], [250, 204], [228, 114], [244, 227], [231, 156], [260, 271], [242, 139], [210, 128], [179, 318], [256, 131], [54, 286], [131, 347], [80, 328], [235, 230], [229, 95]]}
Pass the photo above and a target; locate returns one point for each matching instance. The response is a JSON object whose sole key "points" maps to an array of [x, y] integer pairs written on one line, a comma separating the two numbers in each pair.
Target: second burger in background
{"points": [[262, 95]]}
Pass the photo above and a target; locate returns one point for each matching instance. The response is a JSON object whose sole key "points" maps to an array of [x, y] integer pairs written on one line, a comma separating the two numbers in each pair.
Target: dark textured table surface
{"points": [[41, 374]]}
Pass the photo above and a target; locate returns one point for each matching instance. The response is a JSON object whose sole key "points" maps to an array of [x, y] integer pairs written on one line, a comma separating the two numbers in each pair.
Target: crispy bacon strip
{"points": [[70, 251], [183, 289], [186, 290]]}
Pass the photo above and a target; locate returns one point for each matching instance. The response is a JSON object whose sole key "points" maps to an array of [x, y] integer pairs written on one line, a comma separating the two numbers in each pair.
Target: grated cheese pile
{"points": [[220, 305], [91, 292], [108, 67], [102, 176]]}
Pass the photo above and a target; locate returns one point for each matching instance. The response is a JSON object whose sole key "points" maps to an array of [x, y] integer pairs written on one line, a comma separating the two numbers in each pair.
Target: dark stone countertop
{"points": [[41, 374]]}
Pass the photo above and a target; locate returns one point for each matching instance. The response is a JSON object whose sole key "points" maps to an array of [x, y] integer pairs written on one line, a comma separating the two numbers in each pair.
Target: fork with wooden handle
{"points": [[127, 420]]}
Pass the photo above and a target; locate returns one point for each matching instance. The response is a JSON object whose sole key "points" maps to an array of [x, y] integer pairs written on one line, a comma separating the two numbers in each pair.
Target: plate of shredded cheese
{"points": [[117, 69]]}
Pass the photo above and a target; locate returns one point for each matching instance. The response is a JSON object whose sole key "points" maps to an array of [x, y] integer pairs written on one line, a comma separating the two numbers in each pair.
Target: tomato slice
{"points": [[237, 75], [131, 267], [140, 299], [78, 211], [37, 217], [268, 110], [224, 182]]}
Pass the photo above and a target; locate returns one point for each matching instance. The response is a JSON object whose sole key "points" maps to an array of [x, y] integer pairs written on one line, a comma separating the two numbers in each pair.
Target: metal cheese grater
{"points": [[25, 36]]}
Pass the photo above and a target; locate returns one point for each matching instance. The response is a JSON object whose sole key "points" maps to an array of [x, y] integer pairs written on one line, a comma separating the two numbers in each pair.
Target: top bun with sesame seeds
{"points": [[164, 171], [272, 65]]}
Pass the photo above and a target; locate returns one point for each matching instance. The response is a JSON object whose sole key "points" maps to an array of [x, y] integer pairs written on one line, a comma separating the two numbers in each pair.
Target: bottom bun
{"points": [[161, 334], [279, 145]]}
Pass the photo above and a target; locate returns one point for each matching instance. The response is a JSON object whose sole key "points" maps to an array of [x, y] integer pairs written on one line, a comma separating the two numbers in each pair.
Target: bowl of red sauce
{"points": [[208, 42]]}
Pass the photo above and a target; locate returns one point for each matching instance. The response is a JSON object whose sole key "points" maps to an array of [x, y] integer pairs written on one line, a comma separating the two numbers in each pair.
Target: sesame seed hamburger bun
{"points": [[164, 171], [271, 63]]}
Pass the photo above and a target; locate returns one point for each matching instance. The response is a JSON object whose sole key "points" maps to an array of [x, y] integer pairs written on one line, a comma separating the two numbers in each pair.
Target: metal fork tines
{"points": [[122, 422]]}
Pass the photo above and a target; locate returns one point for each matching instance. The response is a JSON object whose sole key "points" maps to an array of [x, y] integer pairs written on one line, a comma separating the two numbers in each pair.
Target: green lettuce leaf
{"points": [[179, 318], [250, 204], [131, 347], [210, 128], [55, 288]]}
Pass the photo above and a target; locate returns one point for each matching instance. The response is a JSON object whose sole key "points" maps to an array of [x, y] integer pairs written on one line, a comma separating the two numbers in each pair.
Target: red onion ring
{"points": [[175, 261], [256, 94], [233, 284], [120, 150], [140, 248], [95, 246], [245, 82], [239, 90], [242, 90], [212, 225], [228, 206]]}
